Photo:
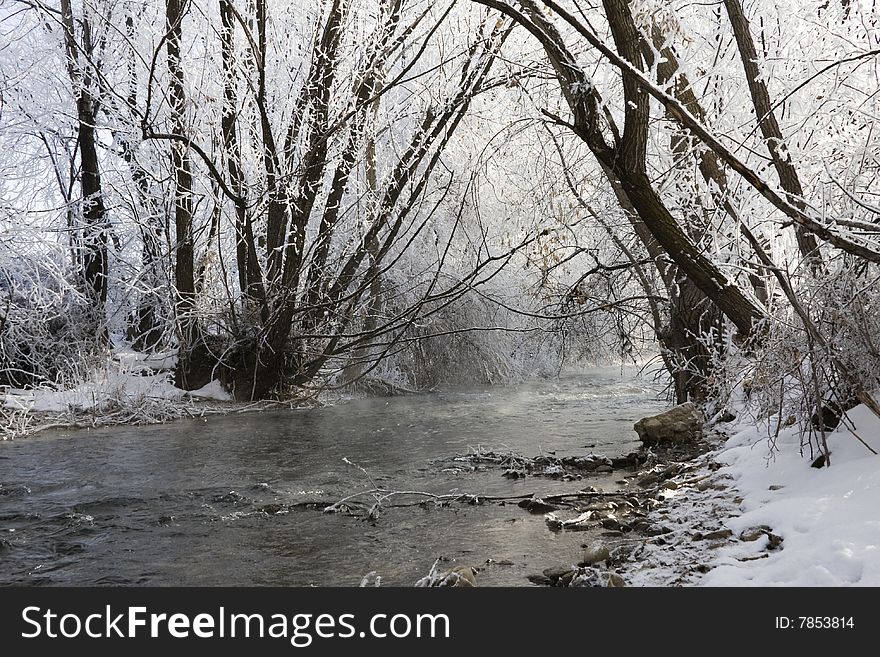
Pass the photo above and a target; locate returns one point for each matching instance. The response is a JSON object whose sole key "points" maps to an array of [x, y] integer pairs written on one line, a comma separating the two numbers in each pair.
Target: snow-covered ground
{"points": [[828, 518], [129, 379], [129, 388]]}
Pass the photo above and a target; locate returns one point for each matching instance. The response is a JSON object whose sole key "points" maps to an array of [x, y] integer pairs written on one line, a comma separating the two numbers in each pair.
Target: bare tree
{"points": [[766, 117], [307, 291], [624, 161], [184, 267], [80, 50], [622, 154]]}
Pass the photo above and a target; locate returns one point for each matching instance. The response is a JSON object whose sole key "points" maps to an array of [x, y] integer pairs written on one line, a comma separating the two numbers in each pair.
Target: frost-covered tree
{"points": [[311, 194]]}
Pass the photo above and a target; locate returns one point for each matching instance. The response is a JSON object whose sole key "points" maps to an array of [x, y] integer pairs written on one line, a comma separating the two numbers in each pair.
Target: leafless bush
{"points": [[790, 377], [47, 328]]}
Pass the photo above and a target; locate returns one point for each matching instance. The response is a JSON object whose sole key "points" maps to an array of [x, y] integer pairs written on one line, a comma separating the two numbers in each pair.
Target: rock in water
{"points": [[466, 576], [557, 572], [594, 554], [681, 424], [536, 505], [540, 580], [615, 581]]}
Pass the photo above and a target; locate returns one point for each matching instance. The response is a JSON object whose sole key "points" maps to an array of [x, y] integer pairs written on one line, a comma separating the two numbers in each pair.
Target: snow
{"points": [[213, 390], [105, 388], [128, 380], [675, 559], [136, 360], [828, 518]]}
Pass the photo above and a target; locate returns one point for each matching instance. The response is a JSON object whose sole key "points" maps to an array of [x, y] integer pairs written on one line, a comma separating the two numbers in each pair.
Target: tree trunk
{"points": [[629, 163], [627, 158], [699, 269], [187, 374], [147, 324], [788, 176], [250, 275], [357, 364], [94, 262]]}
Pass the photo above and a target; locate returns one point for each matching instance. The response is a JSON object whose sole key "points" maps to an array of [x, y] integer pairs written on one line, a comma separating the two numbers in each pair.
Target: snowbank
{"points": [[829, 518], [130, 388], [107, 388], [128, 380]]}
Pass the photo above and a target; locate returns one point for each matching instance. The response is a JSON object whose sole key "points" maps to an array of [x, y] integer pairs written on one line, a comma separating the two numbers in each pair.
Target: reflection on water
{"points": [[155, 505]]}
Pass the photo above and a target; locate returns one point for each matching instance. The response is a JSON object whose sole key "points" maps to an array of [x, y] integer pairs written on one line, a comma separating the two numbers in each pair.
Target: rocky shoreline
{"points": [[660, 525], [665, 524], [638, 522]]}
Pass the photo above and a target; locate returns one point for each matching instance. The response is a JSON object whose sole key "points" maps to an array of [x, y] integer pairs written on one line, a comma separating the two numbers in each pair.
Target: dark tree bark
{"points": [[189, 373], [698, 268], [250, 275], [696, 286], [93, 242], [630, 166], [690, 313], [766, 117], [313, 295], [626, 158], [801, 218], [712, 171]]}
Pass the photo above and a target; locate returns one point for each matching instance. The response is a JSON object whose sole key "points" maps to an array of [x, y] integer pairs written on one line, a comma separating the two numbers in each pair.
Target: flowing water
{"points": [[185, 503]]}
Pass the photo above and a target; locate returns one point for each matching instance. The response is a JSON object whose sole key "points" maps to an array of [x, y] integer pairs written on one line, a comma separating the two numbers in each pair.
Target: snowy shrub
{"points": [[789, 376], [47, 332]]}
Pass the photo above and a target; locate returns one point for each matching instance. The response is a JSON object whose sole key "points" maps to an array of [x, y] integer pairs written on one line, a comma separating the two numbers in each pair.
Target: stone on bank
{"points": [[682, 424]]}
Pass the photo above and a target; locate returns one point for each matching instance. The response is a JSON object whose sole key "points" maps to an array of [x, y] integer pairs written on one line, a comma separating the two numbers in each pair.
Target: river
{"points": [[186, 503]]}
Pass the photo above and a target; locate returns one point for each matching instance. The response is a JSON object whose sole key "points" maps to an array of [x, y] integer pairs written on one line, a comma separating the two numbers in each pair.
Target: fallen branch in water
{"points": [[650, 484], [517, 466]]}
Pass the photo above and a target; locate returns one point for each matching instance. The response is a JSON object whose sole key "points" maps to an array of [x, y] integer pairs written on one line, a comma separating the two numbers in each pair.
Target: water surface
{"points": [[180, 503]]}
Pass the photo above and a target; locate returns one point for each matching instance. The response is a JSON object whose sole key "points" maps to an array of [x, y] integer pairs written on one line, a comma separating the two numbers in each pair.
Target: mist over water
{"points": [[192, 502]]}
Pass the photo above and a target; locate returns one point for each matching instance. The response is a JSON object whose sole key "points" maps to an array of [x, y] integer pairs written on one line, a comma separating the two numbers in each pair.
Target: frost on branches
{"points": [[276, 200]]}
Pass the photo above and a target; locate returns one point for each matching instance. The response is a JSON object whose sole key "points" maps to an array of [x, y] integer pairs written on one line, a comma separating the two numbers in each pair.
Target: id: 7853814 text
{"points": [[815, 622]]}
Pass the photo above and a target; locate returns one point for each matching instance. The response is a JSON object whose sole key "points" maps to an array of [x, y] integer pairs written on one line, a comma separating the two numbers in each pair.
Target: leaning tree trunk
{"points": [[766, 117], [690, 314], [629, 162], [625, 162], [694, 334]]}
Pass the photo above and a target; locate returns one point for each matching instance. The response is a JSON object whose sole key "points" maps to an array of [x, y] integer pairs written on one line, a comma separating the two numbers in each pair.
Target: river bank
{"points": [[659, 523], [757, 513], [131, 388]]}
